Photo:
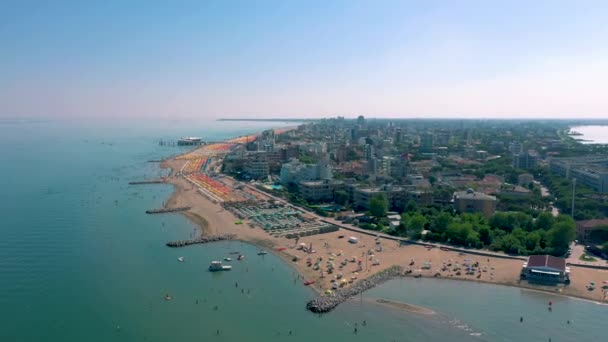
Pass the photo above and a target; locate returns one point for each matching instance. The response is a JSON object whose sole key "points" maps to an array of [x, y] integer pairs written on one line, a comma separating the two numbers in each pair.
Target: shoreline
{"points": [[211, 218]]}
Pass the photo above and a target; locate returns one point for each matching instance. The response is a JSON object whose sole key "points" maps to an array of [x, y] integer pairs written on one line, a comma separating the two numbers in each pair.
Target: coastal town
{"points": [[353, 203]]}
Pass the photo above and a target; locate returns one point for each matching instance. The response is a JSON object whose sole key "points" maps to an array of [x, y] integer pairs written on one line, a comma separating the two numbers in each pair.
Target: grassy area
{"points": [[586, 257]]}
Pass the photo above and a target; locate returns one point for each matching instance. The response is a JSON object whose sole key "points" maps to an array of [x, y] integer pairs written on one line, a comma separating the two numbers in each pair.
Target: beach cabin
{"points": [[353, 239], [545, 269]]}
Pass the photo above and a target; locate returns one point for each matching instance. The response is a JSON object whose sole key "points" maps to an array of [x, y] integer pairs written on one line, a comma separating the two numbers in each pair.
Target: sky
{"points": [[264, 59]]}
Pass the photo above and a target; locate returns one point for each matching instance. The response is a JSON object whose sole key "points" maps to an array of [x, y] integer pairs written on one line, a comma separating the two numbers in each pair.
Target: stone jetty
{"points": [[201, 239], [327, 303], [151, 181], [167, 210]]}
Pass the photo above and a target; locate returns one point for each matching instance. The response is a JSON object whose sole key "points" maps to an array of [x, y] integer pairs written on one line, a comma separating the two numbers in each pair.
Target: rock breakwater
{"points": [[327, 303], [202, 239]]}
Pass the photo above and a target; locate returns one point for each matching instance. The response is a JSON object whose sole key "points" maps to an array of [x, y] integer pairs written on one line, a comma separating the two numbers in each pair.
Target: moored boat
{"points": [[217, 266]]}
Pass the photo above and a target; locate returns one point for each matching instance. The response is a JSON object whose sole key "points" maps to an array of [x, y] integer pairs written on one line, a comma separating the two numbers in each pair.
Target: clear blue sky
{"points": [[303, 58]]}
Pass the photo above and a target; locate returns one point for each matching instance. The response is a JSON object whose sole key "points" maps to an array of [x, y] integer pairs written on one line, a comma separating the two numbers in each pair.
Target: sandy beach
{"points": [[420, 261]]}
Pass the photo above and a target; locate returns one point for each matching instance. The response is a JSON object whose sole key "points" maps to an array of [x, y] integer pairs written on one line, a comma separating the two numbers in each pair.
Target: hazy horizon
{"points": [[240, 59]]}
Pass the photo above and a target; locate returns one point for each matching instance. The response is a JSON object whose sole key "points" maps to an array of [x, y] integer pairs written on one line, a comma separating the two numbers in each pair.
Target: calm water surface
{"points": [[80, 261], [595, 134]]}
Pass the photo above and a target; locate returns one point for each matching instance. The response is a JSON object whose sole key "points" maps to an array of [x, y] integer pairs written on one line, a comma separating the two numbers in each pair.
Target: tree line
{"points": [[511, 232]]}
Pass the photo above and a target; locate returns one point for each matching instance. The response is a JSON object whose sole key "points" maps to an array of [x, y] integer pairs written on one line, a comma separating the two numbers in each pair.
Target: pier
{"points": [[167, 210], [202, 239], [151, 181], [330, 302]]}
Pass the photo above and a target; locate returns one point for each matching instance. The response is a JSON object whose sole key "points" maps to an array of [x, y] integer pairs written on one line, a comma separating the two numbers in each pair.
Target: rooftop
{"points": [[592, 223], [547, 261], [472, 195]]}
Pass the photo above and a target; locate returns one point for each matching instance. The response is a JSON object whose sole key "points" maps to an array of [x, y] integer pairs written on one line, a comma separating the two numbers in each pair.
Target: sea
{"points": [[591, 134], [81, 261]]}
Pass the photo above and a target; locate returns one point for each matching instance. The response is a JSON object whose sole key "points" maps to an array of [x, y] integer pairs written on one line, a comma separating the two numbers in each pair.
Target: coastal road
{"points": [[577, 251]]}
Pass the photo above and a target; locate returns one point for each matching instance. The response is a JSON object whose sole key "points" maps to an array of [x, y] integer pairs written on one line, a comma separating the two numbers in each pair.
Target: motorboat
{"points": [[227, 259], [240, 257], [181, 259], [262, 253], [217, 266]]}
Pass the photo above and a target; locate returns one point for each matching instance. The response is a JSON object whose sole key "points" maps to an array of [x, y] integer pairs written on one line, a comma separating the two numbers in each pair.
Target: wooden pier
{"points": [[167, 210]]}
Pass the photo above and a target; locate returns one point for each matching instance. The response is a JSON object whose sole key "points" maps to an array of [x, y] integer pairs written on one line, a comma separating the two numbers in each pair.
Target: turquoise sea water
{"points": [[81, 261]]}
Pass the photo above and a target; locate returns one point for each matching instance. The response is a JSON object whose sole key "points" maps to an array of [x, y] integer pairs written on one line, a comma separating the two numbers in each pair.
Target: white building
{"points": [[296, 171]]}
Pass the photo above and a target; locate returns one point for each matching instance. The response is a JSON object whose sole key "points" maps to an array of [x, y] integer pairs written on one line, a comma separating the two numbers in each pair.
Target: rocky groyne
{"points": [[202, 239], [151, 181], [328, 303], [167, 210]]}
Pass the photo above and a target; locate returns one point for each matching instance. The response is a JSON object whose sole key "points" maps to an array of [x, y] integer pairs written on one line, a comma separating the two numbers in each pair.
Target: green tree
{"points": [[473, 240], [378, 206], [440, 222], [484, 236], [561, 234], [510, 244], [533, 241], [457, 233], [544, 221], [341, 197], [411, 206], [414, 223]]}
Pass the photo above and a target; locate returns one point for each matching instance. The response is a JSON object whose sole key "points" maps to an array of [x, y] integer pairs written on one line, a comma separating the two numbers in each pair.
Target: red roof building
{"points": [[545, 269]]}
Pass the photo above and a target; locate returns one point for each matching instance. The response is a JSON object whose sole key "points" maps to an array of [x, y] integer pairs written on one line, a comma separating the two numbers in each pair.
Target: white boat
{"points": [[241, 257], [217, 266], [262, 253], [227, 259], [181, 259]]}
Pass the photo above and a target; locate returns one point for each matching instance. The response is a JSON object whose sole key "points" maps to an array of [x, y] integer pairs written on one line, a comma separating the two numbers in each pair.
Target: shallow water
{"points": [[80, 261]]}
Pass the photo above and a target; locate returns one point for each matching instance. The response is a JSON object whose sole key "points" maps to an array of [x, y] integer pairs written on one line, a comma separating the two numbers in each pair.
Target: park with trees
{"points": [[511, 232]]}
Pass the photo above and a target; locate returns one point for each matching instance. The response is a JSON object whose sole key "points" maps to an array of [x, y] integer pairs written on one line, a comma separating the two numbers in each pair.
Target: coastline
{"points": [[213, 219]]}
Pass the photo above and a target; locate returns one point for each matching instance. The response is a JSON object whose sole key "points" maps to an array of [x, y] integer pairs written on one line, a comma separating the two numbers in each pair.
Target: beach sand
{"points": [[213, 219]]}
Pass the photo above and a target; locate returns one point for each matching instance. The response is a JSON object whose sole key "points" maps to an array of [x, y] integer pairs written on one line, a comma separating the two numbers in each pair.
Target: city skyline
{"points": [[391, 59]]}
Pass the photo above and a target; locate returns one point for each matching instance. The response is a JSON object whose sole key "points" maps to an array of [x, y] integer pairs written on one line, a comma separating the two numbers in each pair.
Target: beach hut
{"points": [[546, 269]]}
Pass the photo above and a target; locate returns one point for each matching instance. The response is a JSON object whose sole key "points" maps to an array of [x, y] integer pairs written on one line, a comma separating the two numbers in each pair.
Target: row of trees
{"points": [[511, 232], [589, 203]]}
